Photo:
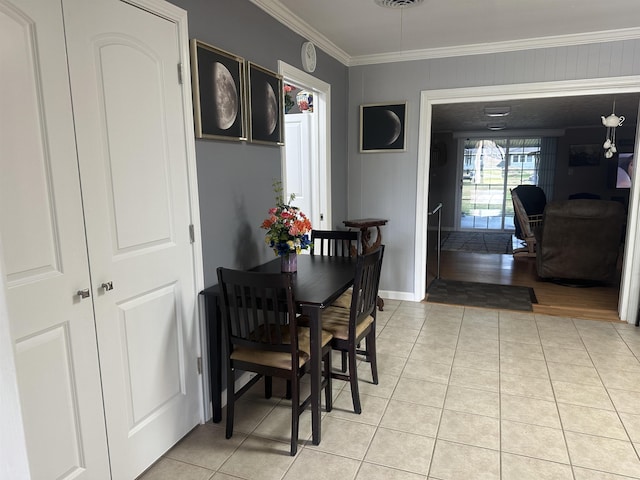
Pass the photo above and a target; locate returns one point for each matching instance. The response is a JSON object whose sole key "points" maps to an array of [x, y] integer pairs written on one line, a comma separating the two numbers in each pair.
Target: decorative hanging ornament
{"points": [[611, 122]]}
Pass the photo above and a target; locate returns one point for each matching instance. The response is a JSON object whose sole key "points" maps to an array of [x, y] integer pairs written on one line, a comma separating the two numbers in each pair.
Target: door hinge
{"points": [[199, 365], [192, 233], [180, 73]]}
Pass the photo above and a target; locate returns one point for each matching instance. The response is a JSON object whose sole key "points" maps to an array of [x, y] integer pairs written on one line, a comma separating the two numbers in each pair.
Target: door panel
{"points": [[152, 323], [134, 161], [45, 367], [133, 164], [44, 249]]}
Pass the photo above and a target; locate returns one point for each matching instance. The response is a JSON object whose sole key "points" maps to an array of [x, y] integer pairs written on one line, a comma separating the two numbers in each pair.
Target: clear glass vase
{"points": [[289, 262]]}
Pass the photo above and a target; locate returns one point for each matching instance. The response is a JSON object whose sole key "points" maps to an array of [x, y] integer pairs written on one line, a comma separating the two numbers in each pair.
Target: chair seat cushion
{"points": [[344, 300], [335, 320], [281, 359]]}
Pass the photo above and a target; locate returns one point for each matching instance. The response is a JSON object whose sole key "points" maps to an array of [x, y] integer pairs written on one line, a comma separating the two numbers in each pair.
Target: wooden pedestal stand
{"points": [[364, 225]]}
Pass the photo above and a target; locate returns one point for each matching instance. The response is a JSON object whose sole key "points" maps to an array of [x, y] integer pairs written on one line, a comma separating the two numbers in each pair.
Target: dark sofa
{"points": [[580, 240]]}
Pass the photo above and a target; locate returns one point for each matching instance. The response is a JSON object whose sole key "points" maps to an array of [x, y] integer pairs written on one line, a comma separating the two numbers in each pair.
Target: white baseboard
{"points": [[404, 296]]}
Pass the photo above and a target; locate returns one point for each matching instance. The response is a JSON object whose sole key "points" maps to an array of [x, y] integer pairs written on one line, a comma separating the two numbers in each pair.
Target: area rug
{"points": [[469, 294], [477, 242]]}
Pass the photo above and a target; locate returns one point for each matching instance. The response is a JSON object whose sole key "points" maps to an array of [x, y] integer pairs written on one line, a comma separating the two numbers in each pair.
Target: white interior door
{"points": [[300, 168], [44, 249], [128, 109]]}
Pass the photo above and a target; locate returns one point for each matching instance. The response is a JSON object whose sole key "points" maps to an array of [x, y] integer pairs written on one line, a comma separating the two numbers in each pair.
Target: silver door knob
{"points": [[108, 286], [83, 293]]}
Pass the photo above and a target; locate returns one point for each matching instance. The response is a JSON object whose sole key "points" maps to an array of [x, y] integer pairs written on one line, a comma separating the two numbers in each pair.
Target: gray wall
{"points": [[234, 179], [384, 184], [442, 180]]}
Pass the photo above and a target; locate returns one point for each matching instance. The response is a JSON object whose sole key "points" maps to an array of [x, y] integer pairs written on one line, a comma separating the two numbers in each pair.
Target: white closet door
{"points": [[44, 249], [128, 111]]}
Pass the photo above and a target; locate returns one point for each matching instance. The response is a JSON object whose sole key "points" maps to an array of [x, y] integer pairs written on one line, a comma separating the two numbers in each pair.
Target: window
{"points": [[490, 168]]}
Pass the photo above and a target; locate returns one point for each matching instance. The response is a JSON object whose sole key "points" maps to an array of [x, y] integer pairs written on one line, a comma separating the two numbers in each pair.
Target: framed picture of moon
{"points": [[266, 112], [382, 127], [218, 93]]}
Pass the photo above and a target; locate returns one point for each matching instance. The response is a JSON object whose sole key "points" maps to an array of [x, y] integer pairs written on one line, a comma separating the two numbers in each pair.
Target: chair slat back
{"points": [[335, 243], [365, 287], [258, 310], [521, 215]]}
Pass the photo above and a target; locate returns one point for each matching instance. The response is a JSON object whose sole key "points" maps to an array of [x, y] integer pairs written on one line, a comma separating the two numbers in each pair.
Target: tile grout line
{"points": [[444, 401], [555, 400]]}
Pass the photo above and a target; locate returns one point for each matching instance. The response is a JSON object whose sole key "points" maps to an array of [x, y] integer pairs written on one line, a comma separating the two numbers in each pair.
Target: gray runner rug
{"points": [[487, 295], [477, 242]]}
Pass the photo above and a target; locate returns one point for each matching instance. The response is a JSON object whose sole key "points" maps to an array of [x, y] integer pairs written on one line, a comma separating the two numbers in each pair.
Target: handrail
{"points": [[438, 210]]}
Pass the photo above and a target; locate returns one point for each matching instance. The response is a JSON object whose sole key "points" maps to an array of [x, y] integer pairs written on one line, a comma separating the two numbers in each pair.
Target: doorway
{"points": [[628, 299], [306, 162]]}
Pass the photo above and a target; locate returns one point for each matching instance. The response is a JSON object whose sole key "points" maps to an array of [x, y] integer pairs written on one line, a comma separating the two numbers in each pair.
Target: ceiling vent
{"points": [[398, 3]]}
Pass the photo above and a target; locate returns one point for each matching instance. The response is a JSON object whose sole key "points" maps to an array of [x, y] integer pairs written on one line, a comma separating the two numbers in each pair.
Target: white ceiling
{"points": [[358, 32]]}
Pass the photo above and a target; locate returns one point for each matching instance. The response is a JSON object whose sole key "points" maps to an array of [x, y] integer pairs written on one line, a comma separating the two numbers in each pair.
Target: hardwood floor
{"points": [[597, 303]]}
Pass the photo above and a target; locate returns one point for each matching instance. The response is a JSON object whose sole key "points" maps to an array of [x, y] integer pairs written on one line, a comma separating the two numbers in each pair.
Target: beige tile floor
{"points": [[464, 394]]}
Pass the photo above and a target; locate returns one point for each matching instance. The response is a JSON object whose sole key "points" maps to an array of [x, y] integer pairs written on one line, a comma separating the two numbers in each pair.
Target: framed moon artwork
{"points": [[218, 79], [382, 127], [266, 112]]}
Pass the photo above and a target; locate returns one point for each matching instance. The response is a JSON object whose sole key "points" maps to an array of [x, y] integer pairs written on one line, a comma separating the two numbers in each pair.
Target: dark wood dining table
{"points": [[319, 281]]}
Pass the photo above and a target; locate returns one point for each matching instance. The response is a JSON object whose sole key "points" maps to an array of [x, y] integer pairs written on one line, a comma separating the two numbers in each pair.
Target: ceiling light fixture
{"points": [[497, 111], [496, 126], [398, 3]]}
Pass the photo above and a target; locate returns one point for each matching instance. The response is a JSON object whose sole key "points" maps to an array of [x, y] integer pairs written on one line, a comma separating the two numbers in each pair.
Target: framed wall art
{"points": [[585, 155], [382, 127], [218, 83], [265, 105]]}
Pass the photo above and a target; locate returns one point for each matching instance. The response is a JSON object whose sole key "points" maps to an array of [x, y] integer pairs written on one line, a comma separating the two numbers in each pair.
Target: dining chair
{"points": [[335, 243], [341, 243], [262, 335], [350, 326]]}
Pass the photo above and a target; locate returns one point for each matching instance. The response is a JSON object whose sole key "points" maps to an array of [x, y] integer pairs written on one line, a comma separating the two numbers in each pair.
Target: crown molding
{"points": [[500, 47], [299, 26]]}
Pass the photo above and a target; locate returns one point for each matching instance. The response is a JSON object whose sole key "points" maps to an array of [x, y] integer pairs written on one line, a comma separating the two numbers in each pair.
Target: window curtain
{"points": [[547, 166]]}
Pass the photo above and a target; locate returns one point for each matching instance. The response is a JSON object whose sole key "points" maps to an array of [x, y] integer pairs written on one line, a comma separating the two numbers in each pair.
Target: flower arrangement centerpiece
{"points": [[287, 229]]}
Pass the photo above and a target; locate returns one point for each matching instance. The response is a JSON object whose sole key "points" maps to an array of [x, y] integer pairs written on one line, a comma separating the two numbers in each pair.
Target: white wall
{"points": [[384, 184]]}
